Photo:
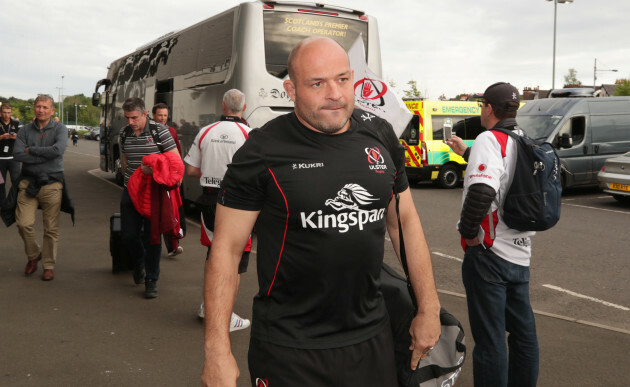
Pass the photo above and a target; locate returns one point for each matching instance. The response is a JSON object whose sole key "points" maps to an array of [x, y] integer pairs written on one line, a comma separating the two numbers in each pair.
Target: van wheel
{"points": [[448, 177]]}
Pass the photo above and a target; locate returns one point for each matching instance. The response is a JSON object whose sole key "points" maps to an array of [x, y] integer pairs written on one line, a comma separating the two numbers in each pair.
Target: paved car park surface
{"points": [[90, 327]]}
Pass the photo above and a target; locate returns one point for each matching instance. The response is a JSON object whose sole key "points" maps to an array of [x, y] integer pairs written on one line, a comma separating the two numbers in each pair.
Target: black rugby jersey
{"points": [[321, 227]]}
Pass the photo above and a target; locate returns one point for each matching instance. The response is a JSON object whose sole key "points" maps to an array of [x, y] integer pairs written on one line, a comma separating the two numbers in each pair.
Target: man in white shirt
{"points": [[207, 159], [495, 271]]}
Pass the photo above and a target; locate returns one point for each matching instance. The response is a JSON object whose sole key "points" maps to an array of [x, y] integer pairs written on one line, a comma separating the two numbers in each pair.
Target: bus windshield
{"points": [[283, 30], [538, 126]]}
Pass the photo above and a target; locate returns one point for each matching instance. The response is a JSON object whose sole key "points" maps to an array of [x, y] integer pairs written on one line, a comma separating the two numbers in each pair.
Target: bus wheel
{"points": [[448, 177]]}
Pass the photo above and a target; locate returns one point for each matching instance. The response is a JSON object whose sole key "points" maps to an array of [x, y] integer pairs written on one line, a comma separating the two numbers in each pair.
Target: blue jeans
{"points": [[137, 240], [497, 293]]}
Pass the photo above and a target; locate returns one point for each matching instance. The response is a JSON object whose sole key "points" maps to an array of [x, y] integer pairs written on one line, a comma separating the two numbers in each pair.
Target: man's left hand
{"points": [[425, 332]]}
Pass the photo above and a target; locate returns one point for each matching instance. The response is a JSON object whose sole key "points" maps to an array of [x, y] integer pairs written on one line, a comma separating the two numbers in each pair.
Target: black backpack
{"points": [[153, 128], [533, 199]]}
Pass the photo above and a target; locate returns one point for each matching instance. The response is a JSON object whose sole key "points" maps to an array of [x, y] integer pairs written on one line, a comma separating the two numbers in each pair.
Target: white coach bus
{"points": [[245, 47]]}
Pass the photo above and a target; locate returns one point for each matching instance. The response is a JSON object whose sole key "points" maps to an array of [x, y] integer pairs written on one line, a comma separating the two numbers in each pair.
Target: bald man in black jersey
{"points": [[319, 184]]}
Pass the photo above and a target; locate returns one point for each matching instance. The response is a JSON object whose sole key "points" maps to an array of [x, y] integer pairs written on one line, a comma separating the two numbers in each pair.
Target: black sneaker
{"points": [[138, 275], [150, 289]]}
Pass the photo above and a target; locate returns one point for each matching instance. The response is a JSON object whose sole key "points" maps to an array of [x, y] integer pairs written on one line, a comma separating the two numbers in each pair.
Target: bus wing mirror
{"points": [[96, 99], [566, 141]]}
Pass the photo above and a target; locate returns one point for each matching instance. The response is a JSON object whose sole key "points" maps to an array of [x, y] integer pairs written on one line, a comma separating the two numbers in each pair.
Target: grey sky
{"points": [[447, 46]]}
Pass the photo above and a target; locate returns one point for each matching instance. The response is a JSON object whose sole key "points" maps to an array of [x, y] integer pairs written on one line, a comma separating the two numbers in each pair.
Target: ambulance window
{"points": [[438, 126], [468, 128], [411, 132], [462, 127]]}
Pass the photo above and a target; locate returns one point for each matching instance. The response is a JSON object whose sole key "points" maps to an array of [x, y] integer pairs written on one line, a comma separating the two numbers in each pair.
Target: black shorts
{"points": [[369, 363], [208, 206]]}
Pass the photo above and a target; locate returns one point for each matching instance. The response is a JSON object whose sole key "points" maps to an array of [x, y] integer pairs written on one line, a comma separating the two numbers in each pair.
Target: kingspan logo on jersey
{"points": [[348, 204]]}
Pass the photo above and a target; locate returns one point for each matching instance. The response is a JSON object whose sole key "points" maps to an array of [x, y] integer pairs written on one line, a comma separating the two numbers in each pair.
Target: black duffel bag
{"points": [[444, 362]]}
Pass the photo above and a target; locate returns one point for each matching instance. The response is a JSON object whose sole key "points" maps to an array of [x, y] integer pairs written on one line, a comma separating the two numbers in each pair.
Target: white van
{"points": [[585, 132]]}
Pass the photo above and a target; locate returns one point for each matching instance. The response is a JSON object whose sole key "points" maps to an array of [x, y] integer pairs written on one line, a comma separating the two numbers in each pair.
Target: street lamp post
{"points": [[59, 102], [555, 16], [595, 70], [60, 99], [76, 114]]}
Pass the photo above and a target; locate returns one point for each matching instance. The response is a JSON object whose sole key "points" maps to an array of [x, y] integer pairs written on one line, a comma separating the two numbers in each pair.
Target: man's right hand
{"points": [[457, 145], [220, 371]]}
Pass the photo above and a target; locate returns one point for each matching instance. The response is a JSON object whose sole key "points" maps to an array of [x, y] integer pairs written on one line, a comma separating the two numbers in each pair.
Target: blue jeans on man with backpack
{"points": [[498, 302], [136, 232]]}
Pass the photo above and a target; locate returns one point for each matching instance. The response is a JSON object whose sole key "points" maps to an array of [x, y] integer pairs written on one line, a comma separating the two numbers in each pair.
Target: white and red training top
{"points": [[492, 161], [214, 148]]}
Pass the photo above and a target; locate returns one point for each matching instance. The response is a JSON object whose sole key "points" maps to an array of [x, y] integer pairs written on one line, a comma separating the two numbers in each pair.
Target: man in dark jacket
{"points": [[8, 133], [40, 146]]}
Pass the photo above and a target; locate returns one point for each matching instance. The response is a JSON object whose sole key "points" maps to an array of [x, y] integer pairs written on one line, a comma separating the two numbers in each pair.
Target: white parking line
{"points": [[586, 297], [84, 154], [600, 209], [447, 256]]}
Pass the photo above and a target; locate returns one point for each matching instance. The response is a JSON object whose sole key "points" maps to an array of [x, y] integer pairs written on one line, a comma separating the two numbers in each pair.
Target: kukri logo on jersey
{"points": [[348, 204]]}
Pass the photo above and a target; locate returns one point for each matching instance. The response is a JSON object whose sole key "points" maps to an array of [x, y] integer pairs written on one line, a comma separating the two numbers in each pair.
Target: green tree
{"points": [[23, 109], [412, 91], [88, 115], [623, 87], [571, 79]]}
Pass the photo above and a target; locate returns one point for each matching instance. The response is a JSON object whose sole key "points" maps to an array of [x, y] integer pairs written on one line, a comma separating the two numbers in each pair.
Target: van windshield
{"points": [[538, 126], [283, 30]]}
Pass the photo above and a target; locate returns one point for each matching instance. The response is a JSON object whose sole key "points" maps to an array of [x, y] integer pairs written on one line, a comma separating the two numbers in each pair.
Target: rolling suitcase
{"points": [[117, 248]]}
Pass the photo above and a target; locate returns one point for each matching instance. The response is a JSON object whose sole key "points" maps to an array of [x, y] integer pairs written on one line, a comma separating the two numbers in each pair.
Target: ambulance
{"points": [[427, 157]]}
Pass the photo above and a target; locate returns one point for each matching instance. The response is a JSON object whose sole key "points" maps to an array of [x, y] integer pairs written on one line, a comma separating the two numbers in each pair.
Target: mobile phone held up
{"points": [[448, 129]]}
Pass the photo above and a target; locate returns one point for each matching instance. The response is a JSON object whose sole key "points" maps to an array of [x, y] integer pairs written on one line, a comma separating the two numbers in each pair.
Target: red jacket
{"points": [[156, 196]]}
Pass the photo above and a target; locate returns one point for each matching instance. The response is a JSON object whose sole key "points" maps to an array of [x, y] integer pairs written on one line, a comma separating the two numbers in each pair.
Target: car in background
{"points": [[93, 134], [614, 178]]}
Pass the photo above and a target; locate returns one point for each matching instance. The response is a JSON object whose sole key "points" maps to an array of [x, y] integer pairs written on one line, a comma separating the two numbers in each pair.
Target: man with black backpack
{"points": [[495, 271]]}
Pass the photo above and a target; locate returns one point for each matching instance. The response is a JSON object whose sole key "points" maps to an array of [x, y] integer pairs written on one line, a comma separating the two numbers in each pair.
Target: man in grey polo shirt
{"points": [[137, 141]]}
